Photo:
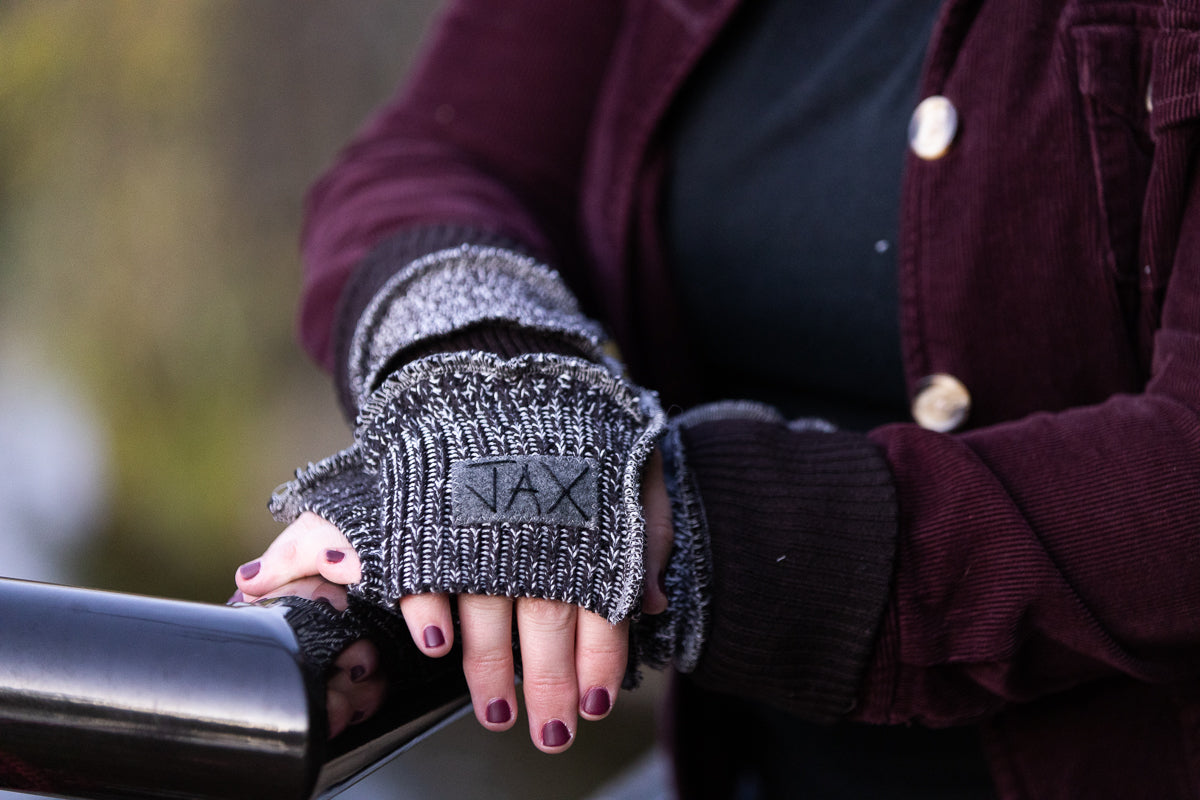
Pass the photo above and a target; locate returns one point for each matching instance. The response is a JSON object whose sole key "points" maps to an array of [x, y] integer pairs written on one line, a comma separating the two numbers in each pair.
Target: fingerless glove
{"points": [[512, 477], [472, 473]]}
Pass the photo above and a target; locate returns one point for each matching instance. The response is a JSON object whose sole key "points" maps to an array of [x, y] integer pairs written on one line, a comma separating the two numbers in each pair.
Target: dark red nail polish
{"points": [[498, 711], [334, 556], [358, 672], [555, 734], [248, 571], [596, 701], [433, 636]]}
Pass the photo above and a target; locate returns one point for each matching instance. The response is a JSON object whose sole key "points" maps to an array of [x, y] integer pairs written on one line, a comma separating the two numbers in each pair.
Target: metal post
{"points": [[106, 695]]}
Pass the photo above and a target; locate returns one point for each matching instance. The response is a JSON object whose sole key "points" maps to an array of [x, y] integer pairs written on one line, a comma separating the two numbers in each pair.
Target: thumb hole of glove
{"points": [[660, 535]]}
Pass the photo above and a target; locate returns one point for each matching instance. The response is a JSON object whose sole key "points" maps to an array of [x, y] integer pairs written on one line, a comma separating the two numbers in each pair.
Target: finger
{"points": [[313, 587], [337, 712], [601, 654], [486, 628], [429, 622], [355, 665], [309, 546], [546, 629], [660, 535], [356, 687]]}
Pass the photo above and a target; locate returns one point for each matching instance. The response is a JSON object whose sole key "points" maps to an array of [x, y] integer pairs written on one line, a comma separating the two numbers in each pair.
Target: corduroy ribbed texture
{"points": [[449, 410], [803, 529]]}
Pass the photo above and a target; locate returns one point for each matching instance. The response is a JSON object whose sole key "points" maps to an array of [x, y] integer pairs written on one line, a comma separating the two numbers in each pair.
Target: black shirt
{"points": [[782, 203], [780, 216]]}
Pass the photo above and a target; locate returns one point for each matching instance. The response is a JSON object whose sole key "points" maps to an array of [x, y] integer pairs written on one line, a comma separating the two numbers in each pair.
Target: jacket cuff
{"points": [[803, 526]]}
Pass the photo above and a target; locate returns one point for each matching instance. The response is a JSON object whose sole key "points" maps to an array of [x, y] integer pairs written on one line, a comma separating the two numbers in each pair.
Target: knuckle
{"points": [[550, 687], [486, 663], [603, 658], [545, 615], [289, 551]]}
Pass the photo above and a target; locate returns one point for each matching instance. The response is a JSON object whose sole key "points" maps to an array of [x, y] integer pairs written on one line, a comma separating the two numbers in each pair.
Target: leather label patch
{"points": [[555, 490]]}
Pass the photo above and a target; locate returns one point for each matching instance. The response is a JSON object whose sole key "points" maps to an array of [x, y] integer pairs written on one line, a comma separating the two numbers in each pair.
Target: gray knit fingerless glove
{"points": [[512, 477], [520, 477], [676, 636]]}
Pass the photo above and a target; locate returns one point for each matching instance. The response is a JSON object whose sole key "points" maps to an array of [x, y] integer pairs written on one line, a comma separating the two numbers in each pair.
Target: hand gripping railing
{"points": [[106, 695]]}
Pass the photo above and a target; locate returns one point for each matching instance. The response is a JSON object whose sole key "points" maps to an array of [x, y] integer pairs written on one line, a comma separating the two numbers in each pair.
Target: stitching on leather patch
{"points": [[552, 490]]}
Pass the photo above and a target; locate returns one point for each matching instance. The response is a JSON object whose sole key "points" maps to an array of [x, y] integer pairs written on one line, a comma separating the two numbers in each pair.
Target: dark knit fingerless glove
{"points": [[521, 477], [481, 475], [512, 477]]}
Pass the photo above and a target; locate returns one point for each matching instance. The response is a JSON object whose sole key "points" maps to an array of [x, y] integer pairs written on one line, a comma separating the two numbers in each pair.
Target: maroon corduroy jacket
{"points": [[1035, 572]]}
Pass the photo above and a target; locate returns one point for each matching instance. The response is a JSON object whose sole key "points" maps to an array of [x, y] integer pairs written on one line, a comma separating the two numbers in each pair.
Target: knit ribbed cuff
{"points": [[802, 527], [517, 477], [381, 265], [675, 637], [449, 290]]}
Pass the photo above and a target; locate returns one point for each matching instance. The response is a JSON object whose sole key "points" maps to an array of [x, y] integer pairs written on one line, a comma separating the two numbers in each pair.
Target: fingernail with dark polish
{"points": [[498, 711], [555, 734], [433, 636], [334, 556], [358, 672], [596, 701], [248, 571]]}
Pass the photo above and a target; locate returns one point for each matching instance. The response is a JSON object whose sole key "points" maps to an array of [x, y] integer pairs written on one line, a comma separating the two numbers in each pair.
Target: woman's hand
{"points": [[573, 661]]}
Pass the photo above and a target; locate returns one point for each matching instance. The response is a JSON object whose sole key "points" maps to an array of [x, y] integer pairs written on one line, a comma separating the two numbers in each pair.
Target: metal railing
{"points": [[116, 696]]}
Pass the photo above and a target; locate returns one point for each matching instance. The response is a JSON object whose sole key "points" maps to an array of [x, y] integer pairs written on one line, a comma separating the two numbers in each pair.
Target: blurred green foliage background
{"points": [[154, 156], [153, 161]]}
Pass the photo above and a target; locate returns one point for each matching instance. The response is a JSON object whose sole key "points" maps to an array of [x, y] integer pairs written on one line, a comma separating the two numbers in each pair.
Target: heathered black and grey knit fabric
{"points": [[341, 491], [674, 638], [323, 631], [451, 289], [517, 477]]}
